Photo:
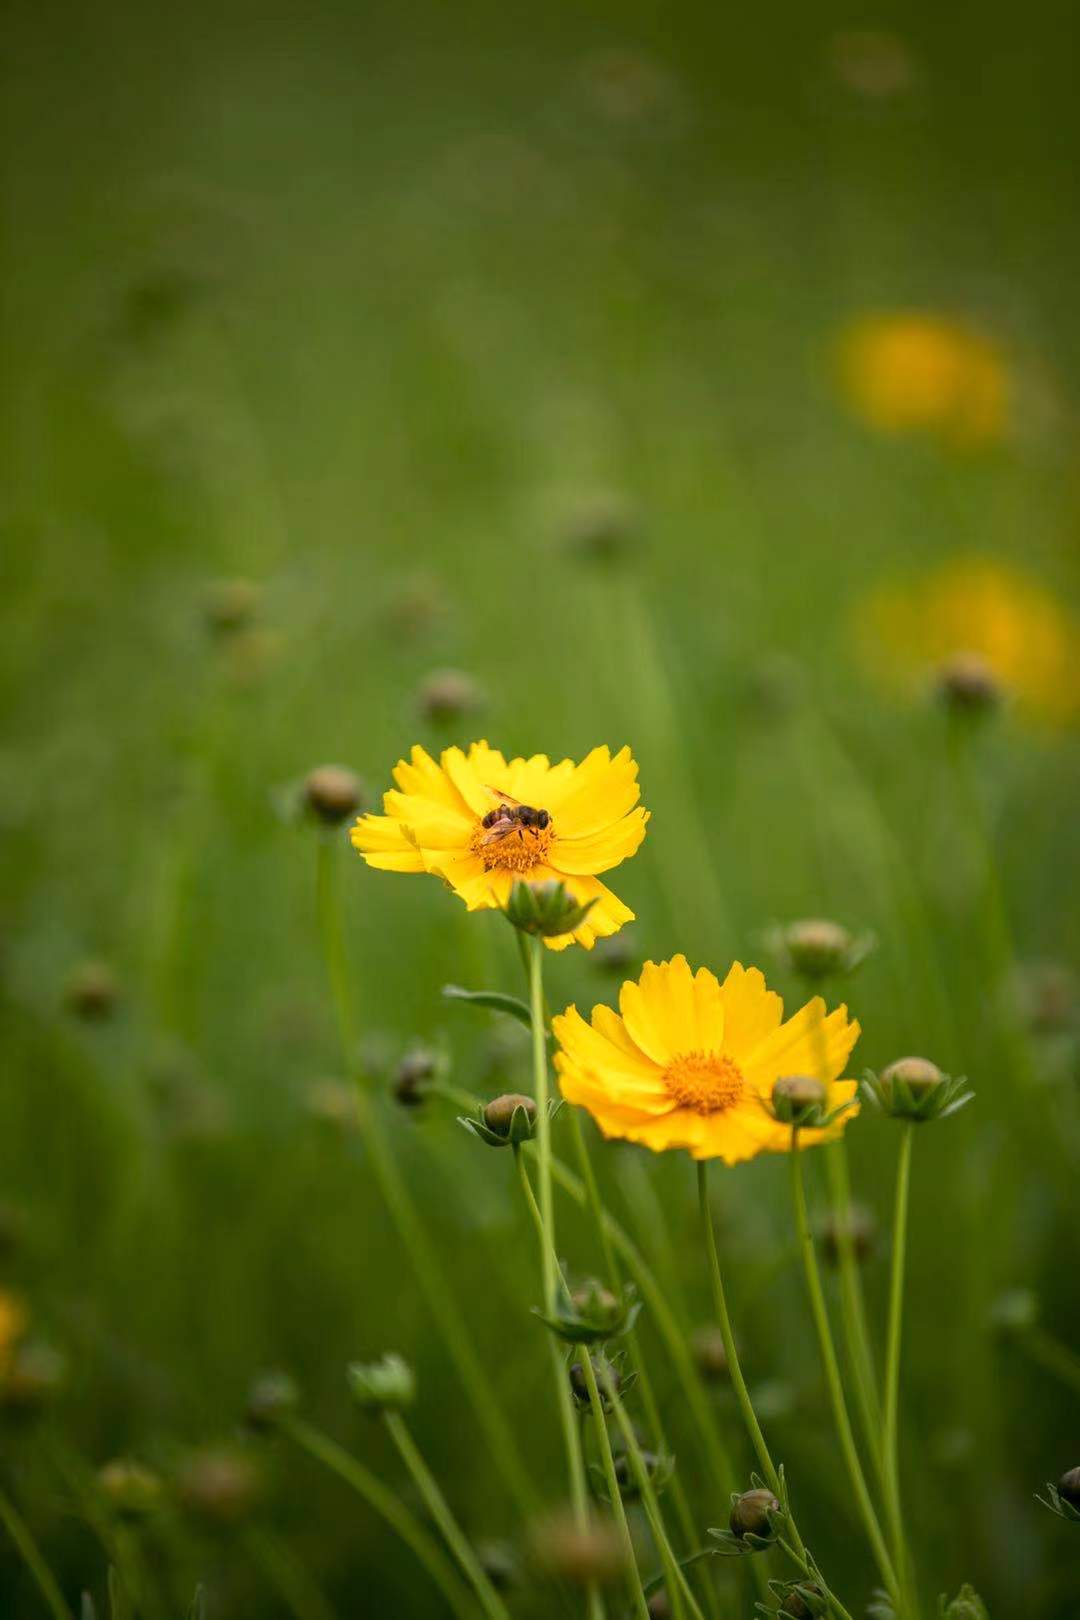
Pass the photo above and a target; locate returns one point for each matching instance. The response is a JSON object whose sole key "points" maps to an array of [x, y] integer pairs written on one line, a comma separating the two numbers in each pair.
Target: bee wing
{"points": [[500, 830], [503, 798]]}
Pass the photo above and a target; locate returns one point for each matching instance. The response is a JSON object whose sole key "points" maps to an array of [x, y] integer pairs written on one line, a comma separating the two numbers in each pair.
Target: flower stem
{"points": [[32, 1557], [890, 1432], [386, 1504], [603, 1440], [571, 1434], [425, 1482], [853, 1304], [648, 1398], [678, 1586], [398, 1198], [543, 1124], [832, 1374], [798, 1550]]}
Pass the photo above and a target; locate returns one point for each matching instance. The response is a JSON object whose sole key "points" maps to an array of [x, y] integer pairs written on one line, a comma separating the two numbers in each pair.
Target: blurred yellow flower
{"points": [[915, 373], [479, 821], [990, 611], [13, 1323], [691, 1062]]}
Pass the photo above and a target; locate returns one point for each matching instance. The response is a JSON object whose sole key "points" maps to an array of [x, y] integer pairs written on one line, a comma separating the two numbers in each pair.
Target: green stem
{"points": [[548, 1249], [285, 1573], [1050, 1353], [618, 1508], [832, 1375], [386, 1504], [32, 1557], [678, 1586], [425, 1482], [648, 1398], [798, 1552], [575, 1460], [890, 1431], [853, 1305], [429, 1270]]}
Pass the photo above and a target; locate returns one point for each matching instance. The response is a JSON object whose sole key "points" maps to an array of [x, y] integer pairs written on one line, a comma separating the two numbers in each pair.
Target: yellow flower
{"points": [[479, 821], [691, 1062], [974, 605], [13, 1323], [912, 373]]}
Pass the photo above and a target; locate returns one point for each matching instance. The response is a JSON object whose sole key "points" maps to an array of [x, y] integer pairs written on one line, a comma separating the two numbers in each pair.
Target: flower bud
{"points": [[578, 1554], [92, 991], [333, 793], [218, 1486], [913, 1088], [750, 1514], [967, 685], [34, 1376], [448, 694], [545, 909], [501, 1113], [798, 1099], [1069, 1487], [804, 1601], [271, 1398], [818, 948], [860, 1227], [132, 1491], [592, 1313], [332, 1101], [659, 1605], [616, 954], [658, 1470], [710, 1354], [604, 529], [231, 605], [387, 1385], [1014, 1311], [918, 1074], [414, 1075], [607, 1375], [966, 1605]]}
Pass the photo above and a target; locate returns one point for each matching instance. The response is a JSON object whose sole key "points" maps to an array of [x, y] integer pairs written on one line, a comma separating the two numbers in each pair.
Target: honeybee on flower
{"points": [[481, 822]]}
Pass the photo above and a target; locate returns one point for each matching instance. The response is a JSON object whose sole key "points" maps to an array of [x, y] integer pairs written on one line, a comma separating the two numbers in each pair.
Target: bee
{"points": [[511, 816]]}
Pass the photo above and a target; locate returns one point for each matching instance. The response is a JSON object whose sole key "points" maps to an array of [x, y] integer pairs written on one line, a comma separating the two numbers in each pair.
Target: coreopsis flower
{"points": [[980, 609], [910, 372], [688, 1062], [481, 822]]}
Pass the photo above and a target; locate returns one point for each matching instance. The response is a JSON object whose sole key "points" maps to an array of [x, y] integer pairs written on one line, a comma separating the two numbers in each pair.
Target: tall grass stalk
{"points": [[890, 1431], [383, 1501], [33, 1558], [607, 1462], [834, 1380], [399, 1200]]}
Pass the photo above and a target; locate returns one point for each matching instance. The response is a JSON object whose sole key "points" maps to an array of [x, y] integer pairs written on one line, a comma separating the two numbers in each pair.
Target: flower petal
{"points": [[383, 843], [751, 1011], [808, 1043], [601, 791], [601, 850]]}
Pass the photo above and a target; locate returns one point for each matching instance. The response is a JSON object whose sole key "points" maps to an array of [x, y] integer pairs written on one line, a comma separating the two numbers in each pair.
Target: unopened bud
{"points": [[616, 954], [133, 1492], [804, 1601], [604, 529], [93, 991], [1069, 1487], [967, 685], [449, 694], [659, 1606], [607, 1375], [818, 948], [333, 793], [546, 909], [913, 1088], [270, 1399], [499, 1115], [231, 605], [218, 1486], [578, 1554], [710, 1354], [387, 1385], [798, 1099], [918, 1074], [414, 1075], [750, 1513], [35, 1374], [860, 1228]]}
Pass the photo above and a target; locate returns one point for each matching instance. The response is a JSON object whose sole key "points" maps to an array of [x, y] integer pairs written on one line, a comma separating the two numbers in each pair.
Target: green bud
{"points": [[36, 1373], [93, 991], [751, 1514], [659, 1606], [270, 1399], [798, 1099], [608, 1378], [387, 1385], [545, 909], [506, 1121], [967, 686], [966, 1605], [816, 948], [333, 793], [592, 1313], [580, 1555], [1069, 1487], [415, 1074], [220, 1486], [132, 1491], [448, 694], [804, 1601], [711, 1355], [915, 1089]]}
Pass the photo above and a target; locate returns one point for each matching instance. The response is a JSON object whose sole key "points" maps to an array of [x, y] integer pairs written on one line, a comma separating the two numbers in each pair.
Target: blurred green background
{"points": [[503, 340]]}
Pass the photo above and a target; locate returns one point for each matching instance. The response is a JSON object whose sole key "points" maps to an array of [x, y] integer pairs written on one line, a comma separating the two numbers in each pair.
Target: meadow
{"points": [[379, 377]]}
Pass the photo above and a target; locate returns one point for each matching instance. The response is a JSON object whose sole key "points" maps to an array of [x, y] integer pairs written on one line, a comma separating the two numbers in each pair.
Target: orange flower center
{"points": [[707, 1082], [510, 846]]}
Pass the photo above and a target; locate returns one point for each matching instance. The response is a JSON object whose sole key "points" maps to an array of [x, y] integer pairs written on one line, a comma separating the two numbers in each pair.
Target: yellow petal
{"points": [[751, 1012], [383, 843], [601, 850], [808, 1043], [422, 778], [617, 1068], [601, 791], [433, 823]]}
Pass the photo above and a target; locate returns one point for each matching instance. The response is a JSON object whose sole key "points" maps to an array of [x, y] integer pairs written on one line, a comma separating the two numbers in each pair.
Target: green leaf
{"points": [[492, 999]]}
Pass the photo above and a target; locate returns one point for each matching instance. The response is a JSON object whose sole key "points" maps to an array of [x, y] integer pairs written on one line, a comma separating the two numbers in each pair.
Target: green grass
{"points": [[362, 304]]}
